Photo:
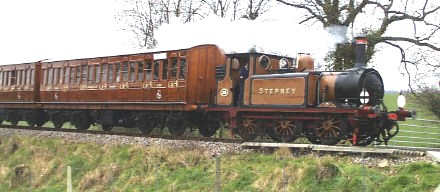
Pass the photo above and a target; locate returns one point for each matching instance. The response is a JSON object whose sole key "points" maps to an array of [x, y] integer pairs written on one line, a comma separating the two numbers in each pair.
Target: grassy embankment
{"points": [[32, 164]]}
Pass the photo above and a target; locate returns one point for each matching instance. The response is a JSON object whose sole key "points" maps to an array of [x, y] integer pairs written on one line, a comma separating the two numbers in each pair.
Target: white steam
{"points": [[278, 37]]}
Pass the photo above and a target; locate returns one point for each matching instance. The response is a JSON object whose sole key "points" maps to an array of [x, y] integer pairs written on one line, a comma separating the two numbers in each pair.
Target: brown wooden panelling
{"points": [[136, 57], [21, 90], [311, 97], [224, 88], [247, 84], [199, 82], [286, 91]]}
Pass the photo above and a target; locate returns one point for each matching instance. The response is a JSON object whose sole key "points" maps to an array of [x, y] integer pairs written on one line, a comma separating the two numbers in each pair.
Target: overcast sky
{"points": [[52, 29]]}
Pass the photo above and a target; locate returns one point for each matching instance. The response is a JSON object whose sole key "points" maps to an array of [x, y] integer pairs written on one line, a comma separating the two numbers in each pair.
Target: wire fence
{"points": [[418, 133]]}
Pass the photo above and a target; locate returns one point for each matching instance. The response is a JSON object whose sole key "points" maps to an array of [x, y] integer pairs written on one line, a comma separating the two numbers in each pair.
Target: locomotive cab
{"points": [[234, 79]]}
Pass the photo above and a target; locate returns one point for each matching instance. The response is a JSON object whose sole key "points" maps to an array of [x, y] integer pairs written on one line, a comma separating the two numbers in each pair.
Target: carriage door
{"points": [[160, 77], [181, 79], [176, 78]]}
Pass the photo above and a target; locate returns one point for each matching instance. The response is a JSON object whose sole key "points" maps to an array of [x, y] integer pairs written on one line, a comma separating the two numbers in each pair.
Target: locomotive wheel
{"points": [[81, 121], [177, 127], [331, 129], [284, 131], [209, 127], [248, 129], [146, 125]]}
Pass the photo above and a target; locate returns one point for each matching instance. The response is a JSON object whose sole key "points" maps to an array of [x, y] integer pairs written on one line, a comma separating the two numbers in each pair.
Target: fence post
{"points": [[363, 172], [217, 175], [69, 179], [284, 174]]}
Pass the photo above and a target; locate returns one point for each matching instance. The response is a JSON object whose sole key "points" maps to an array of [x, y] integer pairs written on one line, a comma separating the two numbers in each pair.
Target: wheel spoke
{"points": [[329, 129]]}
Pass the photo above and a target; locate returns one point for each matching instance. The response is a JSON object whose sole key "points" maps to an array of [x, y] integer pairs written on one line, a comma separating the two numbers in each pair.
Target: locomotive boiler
{"points": [[202, 89]]}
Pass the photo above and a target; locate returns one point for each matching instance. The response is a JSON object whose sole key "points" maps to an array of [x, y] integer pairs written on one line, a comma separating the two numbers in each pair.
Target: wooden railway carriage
{"points": [[19, 93], [139, 90]]}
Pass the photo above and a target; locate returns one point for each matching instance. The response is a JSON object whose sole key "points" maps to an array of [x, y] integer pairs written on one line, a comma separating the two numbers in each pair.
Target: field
{"points": [[424, 131]]}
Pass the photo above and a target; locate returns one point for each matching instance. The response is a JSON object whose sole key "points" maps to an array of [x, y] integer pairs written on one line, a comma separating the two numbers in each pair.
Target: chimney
{"points": [[361, 44]]}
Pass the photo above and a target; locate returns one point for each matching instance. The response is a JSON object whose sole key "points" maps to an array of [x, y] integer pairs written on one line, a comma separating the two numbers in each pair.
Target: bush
{"points": [[429, 98]]}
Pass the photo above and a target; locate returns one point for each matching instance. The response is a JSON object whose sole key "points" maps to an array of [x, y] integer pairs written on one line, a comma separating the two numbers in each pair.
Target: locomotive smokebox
{"points": [[361, 44]]}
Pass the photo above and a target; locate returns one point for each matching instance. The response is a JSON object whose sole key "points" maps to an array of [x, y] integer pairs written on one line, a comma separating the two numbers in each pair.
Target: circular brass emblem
{"points": [[224, 92]]}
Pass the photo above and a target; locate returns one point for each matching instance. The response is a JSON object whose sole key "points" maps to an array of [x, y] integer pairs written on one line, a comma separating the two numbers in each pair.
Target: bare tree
{"points": [[422, 14], [255, 9], [143, 17], [218, 7]]}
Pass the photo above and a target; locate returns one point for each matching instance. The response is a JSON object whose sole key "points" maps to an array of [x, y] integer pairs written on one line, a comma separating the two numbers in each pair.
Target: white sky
{"points": [[52, 29]]}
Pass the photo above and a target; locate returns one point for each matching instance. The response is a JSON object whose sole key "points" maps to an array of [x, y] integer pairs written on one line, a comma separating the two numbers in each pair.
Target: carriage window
{"points": [[23, 77], [182, 71], [90, 75], [124, 71], [110, 73], [1, 78], [140, 70], [72, 75], [50, 76], [84, 74], [97, 74], [26, 81], [78, 75], [173, 68], [13, 77], [61, 77], [104, 72], [132, 71], [18, 79], [165, 69], [156, 70], [56, 73], [148, 66], [6, 76], [118, 72], [66, 75], [45, 77], [32, 77]]}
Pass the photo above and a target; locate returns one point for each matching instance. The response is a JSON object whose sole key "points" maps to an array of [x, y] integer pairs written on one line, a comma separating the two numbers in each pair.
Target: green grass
{"points": [[97, 167]]}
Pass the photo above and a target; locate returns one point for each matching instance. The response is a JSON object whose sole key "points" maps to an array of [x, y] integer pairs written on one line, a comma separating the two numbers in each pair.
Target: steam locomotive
{"points": [[202, 88]]}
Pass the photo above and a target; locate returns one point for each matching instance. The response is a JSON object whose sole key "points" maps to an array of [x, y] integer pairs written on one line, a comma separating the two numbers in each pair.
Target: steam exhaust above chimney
{"points": [[361, 45]]}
